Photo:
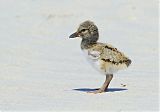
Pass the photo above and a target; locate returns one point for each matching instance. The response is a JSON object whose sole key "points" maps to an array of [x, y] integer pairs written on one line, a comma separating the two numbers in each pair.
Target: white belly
{"points": [[107, 70]]}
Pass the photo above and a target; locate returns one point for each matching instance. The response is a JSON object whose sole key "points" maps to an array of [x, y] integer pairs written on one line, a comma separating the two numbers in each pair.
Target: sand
{"points": [[41, 69]]}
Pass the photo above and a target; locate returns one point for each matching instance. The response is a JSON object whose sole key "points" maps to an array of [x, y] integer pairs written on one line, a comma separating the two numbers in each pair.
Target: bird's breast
{"points": [[93, 60]]}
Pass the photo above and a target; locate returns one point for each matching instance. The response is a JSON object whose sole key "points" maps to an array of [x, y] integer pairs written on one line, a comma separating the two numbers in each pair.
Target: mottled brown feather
{"points": [[110, 54]]}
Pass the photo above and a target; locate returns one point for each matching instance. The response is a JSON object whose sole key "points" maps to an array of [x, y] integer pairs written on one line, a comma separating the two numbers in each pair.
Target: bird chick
{"points": [[104, 57]]}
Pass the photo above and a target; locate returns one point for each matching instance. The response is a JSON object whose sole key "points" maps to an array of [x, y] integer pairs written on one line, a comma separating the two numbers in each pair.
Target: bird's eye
{"points": [[83, 30]]}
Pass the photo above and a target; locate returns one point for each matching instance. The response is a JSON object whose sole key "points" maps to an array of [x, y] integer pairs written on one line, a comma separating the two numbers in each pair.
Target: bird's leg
{"points": [[105, 85]]}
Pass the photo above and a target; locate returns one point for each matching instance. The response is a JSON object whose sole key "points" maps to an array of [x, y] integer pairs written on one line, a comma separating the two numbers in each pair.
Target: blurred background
{"points": [[40, 65]]}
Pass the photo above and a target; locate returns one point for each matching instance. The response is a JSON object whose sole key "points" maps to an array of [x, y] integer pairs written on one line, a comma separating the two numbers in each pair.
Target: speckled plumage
{"points": [[104, 57], [109, 58]]}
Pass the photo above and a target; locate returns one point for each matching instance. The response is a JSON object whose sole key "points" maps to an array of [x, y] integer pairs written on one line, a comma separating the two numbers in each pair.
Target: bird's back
{"points": [[107, 57]]}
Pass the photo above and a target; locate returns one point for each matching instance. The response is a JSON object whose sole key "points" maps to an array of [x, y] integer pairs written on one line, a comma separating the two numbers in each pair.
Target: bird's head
{"points": [[87, 31]]}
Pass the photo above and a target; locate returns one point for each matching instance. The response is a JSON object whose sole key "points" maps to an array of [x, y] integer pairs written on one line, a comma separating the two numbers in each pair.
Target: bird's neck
{"points": [[87, 43]]}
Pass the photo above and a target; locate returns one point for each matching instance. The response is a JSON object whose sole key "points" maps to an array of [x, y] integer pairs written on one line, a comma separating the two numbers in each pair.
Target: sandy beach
{"points": [[41, 69]]}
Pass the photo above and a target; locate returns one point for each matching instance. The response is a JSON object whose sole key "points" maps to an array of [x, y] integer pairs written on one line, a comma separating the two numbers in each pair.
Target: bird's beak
{"points": [[74, 35]]}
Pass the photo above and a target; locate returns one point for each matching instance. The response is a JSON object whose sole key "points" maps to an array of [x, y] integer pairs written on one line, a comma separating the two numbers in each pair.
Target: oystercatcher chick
{"points": [[104, 57]]}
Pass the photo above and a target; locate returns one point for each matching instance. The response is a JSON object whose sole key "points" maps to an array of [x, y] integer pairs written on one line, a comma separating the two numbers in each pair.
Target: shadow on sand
{"points": [[109, 89]]}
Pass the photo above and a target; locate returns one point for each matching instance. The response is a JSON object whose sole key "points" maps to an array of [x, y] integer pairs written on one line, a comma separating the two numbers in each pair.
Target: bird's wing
{"points": [[96, 51], [111, 54], [107, 53], [94, 54]]}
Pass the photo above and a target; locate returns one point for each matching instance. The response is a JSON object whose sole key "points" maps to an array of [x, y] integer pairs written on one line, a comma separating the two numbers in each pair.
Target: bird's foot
{"points": [[96, 91]]}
